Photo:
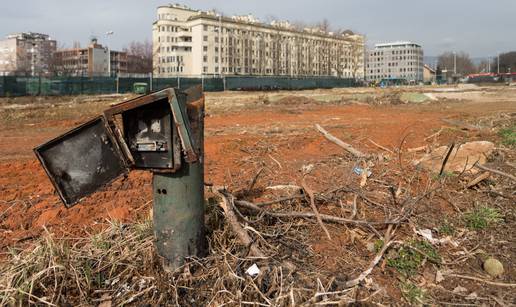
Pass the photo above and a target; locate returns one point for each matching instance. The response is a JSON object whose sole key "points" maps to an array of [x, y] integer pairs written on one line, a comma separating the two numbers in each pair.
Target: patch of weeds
{"points": [[445, 174], [508, 136], [378, 244], [412, 255], [482, 217], [100, 241], [446, 228], [412, 293]]}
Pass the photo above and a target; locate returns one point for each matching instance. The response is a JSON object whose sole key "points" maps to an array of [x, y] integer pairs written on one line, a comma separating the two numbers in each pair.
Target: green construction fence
{"points": [[56, 86]]}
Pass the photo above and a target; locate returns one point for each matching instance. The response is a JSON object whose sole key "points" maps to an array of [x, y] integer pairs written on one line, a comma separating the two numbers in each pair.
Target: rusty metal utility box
{"points": [[150, 132]]}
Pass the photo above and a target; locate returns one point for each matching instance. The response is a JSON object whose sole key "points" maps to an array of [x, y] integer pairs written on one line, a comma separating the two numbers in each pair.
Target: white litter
{"points": [[253, 270]]}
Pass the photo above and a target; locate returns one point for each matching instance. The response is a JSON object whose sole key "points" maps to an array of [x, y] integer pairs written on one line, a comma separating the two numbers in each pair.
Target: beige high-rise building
{"points": [[188, 42]]}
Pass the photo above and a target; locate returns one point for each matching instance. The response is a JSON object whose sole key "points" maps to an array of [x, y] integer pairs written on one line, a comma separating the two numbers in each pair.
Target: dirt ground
{"points": [[274, 131]]}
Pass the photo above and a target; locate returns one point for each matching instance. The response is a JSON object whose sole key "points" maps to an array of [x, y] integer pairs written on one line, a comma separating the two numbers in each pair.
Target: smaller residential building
{"points": [[26, 53], [91, 61], [398, 60], [428, 74]]}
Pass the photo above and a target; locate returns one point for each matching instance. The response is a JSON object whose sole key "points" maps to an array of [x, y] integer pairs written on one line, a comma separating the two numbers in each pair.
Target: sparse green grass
{"points": [[445, 174], [446, 228], [508, 136], [378, 244], [482, 217], [411, 256], [412, 293]]}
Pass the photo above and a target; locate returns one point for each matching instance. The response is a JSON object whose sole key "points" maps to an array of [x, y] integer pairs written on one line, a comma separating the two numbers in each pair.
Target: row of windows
{"points": [[381, 76], [171, 29], [170, 69], [395, 52], [393, 70], [170, 59]]}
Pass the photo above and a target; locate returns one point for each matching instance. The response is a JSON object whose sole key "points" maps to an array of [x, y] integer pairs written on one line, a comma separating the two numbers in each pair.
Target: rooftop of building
{"points": [[28, 35], [249, 19], [396, 44]]}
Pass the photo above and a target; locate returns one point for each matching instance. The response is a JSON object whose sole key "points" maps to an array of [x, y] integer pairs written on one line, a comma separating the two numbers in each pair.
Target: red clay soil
{"points": [[28, 203]]}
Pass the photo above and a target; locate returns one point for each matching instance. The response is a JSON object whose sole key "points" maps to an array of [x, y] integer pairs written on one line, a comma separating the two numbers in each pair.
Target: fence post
{"points": [[150, 81], [117, 83], [224, 82]]}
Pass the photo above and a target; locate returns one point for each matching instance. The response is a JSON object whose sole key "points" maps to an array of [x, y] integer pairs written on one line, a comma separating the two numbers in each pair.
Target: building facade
{"points": [[399, 60], [428, 74], [188, 42], [26, 54], [91, 61]]}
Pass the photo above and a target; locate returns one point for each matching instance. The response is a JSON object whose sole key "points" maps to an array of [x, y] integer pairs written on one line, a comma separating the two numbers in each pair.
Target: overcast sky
{"points": [[479, 27]]}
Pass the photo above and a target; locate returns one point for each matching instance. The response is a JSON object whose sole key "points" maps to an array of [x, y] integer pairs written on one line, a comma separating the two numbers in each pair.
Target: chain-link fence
{"points": [[35, 86]]}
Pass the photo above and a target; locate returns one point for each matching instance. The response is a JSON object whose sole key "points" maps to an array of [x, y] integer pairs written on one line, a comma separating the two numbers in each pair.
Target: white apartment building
{"points": [[26, 53], [398, 60], [188, 42]]}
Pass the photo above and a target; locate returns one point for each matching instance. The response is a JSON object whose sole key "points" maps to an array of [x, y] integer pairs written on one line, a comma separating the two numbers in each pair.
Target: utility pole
{"points": [[498, 64], [454, 62], [109, 33]]}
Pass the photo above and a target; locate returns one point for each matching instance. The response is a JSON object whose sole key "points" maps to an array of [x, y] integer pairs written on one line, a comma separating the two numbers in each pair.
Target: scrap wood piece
{"points": [[494, 171], [355, 152], [478, 179], [310, 194], [243, 236]]}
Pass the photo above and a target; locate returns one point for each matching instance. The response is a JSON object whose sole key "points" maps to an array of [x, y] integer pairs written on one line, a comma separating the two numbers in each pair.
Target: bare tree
{"points": [[462, 60], [139, 57], [356, 53], [507, 63], [324, 25]]}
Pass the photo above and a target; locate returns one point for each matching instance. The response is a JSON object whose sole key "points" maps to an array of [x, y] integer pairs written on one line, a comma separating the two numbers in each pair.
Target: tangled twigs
{"points": [[310, 194], [310, 215], [227, 205]]}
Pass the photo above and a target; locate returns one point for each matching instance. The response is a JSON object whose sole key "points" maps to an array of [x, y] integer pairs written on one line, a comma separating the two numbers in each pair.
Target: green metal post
{"points": [[178, 212]]}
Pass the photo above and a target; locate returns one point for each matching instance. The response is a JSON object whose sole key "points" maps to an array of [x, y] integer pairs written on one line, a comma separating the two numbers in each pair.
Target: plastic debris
{"points": [[253, 270], [358, 170]]}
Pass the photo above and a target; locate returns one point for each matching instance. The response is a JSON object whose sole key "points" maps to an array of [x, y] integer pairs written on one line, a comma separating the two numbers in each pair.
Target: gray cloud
{"points": [[474, 26]]}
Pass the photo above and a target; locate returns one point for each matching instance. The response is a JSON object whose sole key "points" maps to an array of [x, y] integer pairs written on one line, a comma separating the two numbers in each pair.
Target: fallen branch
{"points": [[493, 283], [380, 146], [416, 149], [435, 134], [243, 236], [494, 171], [310, 215], [310, 194], [346, 146], [387, 243]]}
